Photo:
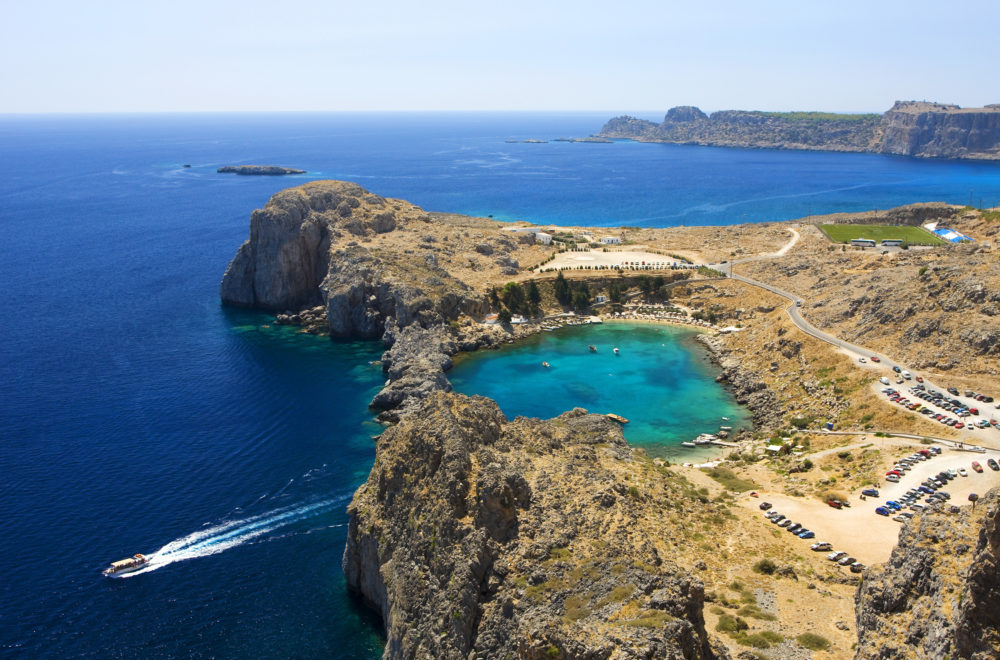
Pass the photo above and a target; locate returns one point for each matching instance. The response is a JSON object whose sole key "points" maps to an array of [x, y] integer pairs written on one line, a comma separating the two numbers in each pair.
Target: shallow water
{"points": [[661, 380]]}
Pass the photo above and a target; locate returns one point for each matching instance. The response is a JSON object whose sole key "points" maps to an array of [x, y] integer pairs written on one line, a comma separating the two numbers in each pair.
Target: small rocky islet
{"points": [[475, 536], [257, 170]]}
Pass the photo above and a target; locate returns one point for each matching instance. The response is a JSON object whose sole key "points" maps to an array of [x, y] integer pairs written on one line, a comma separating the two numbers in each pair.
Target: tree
{"points": [[534, 295], [503, 316], [513, 297], [581, 296], [562, 290], [494, 297], [645, 285], [615, 292]]}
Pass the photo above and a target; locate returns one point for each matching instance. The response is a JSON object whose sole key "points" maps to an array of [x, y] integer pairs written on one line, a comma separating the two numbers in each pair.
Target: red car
{"points": [[875, 359], [834, 503], [919, 379], [976, 466]]}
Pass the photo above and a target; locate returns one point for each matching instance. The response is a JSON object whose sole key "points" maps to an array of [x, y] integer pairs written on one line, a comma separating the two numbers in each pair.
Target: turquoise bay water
{"points": [[661, 380]]}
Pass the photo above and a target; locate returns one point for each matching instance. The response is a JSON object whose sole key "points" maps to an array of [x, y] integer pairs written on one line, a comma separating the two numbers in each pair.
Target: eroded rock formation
{"points": [[939, 594], [475, 537]]}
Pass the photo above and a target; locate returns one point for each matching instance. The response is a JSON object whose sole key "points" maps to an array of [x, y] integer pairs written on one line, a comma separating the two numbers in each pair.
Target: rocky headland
{"points": [[476, 537], [909, 128], [258, 170]]}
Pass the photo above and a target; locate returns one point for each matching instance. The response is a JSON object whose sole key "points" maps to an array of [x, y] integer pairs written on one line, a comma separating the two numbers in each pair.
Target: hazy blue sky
{"points": [[499, 55]]}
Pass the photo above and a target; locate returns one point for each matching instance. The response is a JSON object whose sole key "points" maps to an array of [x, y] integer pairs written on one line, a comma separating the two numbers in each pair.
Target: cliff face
{"points": [[909, 128], [479, 537], [939, 594], [926, 129], [375, 268], [309, 245]]}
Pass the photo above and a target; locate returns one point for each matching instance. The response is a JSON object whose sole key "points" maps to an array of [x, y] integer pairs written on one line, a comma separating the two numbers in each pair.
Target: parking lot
{"points": [[857, 529]]}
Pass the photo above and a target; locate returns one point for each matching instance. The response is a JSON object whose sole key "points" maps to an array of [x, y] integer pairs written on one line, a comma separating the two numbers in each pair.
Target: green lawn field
{"points": [[911, 235]]}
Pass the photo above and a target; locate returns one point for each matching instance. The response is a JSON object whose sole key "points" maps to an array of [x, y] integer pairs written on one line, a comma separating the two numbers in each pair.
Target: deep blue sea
{"points": [[139, 415]]}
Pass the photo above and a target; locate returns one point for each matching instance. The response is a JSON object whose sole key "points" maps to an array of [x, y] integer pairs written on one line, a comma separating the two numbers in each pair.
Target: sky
{"points": [[444, 55]]}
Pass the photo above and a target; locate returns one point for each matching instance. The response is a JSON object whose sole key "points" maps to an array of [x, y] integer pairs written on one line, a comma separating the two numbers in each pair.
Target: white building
{"points": [[611, 240], [543, 238]]}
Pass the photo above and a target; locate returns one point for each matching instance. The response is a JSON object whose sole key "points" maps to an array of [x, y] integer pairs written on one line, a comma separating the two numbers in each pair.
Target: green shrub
{"points": [[813, 642], [731, 624], [765, 566]]}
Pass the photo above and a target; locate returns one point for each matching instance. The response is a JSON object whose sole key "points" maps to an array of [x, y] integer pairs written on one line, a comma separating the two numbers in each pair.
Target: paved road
{"points": [[858, 351]]}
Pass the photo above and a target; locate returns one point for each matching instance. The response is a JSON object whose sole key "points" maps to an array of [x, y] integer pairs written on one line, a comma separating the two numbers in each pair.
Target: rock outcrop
{"points": [[909, 128], [476, 537], [939, 594]]}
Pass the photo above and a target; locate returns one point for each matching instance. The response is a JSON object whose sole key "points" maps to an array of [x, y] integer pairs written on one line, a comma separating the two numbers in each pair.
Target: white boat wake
{"points": [[219, 538]]}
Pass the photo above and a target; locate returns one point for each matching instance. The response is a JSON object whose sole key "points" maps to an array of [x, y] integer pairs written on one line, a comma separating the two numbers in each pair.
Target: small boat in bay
{"points": [[616, 350], [688, 444], [725, 428], [546, 365], [122, 566], [593, 349]]}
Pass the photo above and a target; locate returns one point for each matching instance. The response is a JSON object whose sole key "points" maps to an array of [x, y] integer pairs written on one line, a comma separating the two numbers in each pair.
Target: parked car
{"points": [[822, 546], [857, 567], [993, 464], [976, 466], [794, 527], [869, 492], [892, 477], [846, 561], [764, 506], [897, 369], [882, 511], [875, 358], [834, 503], [807, 534], [836, 555], [962, 472]]}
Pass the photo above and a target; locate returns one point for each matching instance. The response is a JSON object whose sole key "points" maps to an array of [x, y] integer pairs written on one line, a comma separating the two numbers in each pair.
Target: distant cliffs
{"points": [[909, 128]]}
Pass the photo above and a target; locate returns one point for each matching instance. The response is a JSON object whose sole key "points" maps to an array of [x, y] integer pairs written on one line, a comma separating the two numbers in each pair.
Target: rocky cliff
{"points": [[475, 537], [909, 128], [942, 131], [371, 267], [939, 594], [258, 170]]}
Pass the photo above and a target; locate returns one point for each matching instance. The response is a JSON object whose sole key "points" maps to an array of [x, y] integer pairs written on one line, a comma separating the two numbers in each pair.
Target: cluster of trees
{"points": [[576, 295], [516, 299]]}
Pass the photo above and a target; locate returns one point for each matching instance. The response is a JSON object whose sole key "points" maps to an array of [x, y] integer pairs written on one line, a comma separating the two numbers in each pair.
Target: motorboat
{"points": [[122, 566]]}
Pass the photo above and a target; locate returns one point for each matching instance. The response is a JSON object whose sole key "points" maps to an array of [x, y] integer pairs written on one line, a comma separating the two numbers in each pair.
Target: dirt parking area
{"points": [[857, 529], [625, 259]]}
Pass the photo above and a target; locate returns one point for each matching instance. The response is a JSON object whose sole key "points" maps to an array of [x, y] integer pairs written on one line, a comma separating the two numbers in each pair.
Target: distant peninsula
{"points": [[258, 170], [909, 128]]}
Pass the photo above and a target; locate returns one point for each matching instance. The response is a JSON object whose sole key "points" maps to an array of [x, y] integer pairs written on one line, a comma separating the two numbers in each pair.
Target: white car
{"points": [[862, 360], [962, 472], [822, 546], [834, 556]]}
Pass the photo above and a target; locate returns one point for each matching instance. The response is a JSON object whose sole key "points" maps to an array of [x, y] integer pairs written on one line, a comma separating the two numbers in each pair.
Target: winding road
{"points": [[792, 310]]}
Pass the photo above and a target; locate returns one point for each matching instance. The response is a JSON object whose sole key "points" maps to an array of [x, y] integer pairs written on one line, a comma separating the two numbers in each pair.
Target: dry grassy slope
{"points": [[809, 377], [936, 309]]}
